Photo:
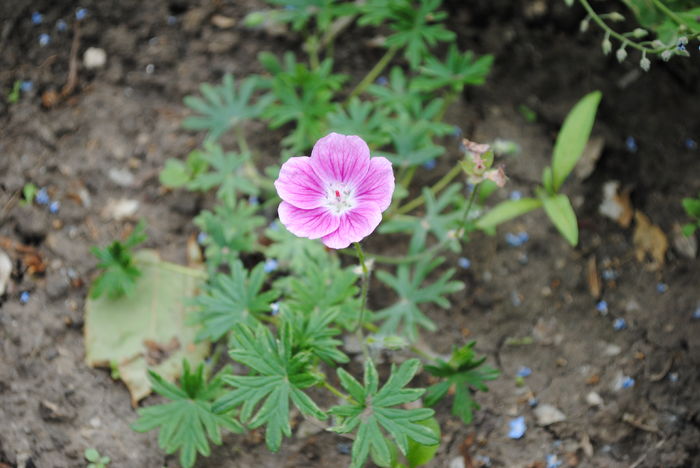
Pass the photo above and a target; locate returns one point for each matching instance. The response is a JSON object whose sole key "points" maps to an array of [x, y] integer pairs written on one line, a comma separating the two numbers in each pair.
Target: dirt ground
{"points": [[526, 306]]}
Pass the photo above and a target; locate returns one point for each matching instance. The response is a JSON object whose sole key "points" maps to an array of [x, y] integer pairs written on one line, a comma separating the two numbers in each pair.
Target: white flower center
{"points": [[339, 198]]}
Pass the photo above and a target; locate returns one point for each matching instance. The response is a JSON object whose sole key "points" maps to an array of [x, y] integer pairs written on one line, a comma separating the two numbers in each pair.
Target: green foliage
{"points": [[300, 95], [278, 375], [299, 13], [372, 413], [692, 209], [573, 137], [230, 174], [463, 371], [15, 93], [413, 142], [313, 332], [187, 423], [560, 211], [119, 273], [96, 460], [232, 299], [455, 72], [408, 283], [224, 107], [420, 454], [29, 191], [293, 252], [361, 118], [505, 211], [177, 174]]}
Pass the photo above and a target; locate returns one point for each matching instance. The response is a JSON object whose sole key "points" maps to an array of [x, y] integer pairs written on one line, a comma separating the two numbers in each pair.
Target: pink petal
{"points": [[340, 158], [313, 223], [355, 225], [299, 185], [378, 185]]}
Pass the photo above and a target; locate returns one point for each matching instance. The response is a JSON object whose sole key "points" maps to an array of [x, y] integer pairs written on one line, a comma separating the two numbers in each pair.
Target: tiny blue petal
{"points": [[274, 226], [253, 200], [609, 274], [381, 81], [343, 448], [673, 377], [602, 307], [80, 14], [484, 460], [275, 308], [464, 262], [202, 238], [533, 402], [429, 164], [24, 297], [270, 265], [26, 86], [42, 197], [37, 17], [61, 25], [631, 144], [619, 324], [54, 206], [691, 144], [517, 427], [661, 288], [513, 240], [523, 236], [696, 314], [44, 39], [553, 461], [524, 371], [172, 20], [515, 195], [627, 382]]}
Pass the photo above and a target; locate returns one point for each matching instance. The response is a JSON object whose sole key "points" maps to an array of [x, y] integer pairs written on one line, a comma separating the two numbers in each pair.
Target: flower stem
{"points": [[336, 392], [374, 72], [363, 299], [472, 197], [435, 189]]}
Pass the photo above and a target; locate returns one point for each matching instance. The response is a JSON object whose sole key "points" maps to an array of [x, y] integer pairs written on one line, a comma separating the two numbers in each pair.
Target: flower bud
{"points": [[639, 33], [583, 27], [621, 54], [645, 63], [666, 55], [606, 45], [615, 16]]}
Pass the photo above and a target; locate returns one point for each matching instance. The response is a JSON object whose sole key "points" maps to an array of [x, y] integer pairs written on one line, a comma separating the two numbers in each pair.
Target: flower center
{"points": [[339, 198]]}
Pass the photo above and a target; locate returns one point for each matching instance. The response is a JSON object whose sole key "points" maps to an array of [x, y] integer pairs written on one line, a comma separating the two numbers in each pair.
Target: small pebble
{"points": [[523, 258], [430, 164], [150, 68], [172, 20], [44, 39], [594, 399], [270, 265], [515, 195], [609, 274], [517, 427], [619, 324], [464, 262], [524, 371], [515, 298], [80, 14], [55, 206], [631, 144], [673, 377], [24, 297], [661, 288], [61, 25], [37, 18], [94, 57], [602, 307]]}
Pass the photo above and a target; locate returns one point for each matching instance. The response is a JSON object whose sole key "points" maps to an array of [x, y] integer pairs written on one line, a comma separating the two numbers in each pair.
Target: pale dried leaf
{"points": [[649, 242]]}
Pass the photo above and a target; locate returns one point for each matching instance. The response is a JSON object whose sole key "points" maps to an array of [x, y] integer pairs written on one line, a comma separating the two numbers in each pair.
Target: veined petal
{"points": [[378, 185], [354, 226], [314, 223], [340, 158], [299, 185]]}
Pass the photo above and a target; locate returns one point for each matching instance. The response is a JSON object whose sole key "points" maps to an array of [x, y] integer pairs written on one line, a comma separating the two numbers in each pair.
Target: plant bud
{"points": [[583, 27], [606, 45], [621, 54], [639, 33], [645, 64], [615, 16], [666, 55]]}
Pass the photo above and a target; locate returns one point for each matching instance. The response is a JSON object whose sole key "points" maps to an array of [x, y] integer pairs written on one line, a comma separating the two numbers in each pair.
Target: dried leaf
{"points": [[593, 278], [649, 241], [684, 245], [616, 205], [5, 271]]}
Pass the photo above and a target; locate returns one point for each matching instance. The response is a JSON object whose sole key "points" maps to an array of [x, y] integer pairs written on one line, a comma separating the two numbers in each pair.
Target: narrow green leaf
{"points": [[419, 454], [507, 210], [559, 210], [573, 136]]}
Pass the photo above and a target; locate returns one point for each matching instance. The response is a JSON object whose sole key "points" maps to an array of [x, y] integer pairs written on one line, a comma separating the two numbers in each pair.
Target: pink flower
{"points": [[336, 195]]}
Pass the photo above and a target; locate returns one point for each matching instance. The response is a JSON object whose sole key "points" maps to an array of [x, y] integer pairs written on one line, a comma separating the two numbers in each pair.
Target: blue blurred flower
{"points": [[517, 427]]}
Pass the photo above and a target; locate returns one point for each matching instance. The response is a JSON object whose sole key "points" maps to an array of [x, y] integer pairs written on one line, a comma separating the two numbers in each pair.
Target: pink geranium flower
{"points": [[336, 195]]}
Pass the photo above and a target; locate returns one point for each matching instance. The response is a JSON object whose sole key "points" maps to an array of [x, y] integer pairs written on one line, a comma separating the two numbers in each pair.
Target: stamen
{"points": [[337, 194]]}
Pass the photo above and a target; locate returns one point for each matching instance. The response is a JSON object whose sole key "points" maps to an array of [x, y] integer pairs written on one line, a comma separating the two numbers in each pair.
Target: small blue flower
{"points": [[691, 144], [553, 461], [275, 308], [37, 17], [42, 197], [464, 262], [513, 240], [533, 402], [24, 297], [202, 238], [456, 132], [270, 265], [524, 371], [517, 427], [253, 200], [696, 313], [44, 39], [681, 47], [381, 81], [55, 206], [523, 236], [619, 324], [274, 226], [631, 144], [343, 448], [26, 86], [515, 195], [609, 274], [602, 307], [661, 288], [80, 14], [673, 377], [627, 382], [429, 164], [61, 25]]}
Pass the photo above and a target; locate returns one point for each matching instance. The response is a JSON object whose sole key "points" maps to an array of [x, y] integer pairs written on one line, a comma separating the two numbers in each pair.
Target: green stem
{"points": [[374, 72], [240, 138], [337, 392], [472, 197], [422, 353], [408, 176], [435, 189], [363, 299], [449, 99]]}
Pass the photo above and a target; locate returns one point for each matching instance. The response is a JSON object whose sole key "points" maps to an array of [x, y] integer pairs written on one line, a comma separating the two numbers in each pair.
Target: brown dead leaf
{"points": [[464, 450], [593, 278], [649, 241], [616, 204]]}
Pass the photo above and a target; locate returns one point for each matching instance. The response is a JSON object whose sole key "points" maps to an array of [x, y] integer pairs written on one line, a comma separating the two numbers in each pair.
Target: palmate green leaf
{"points": [[572, 137], [361, 118], [408, 283], [187, 423], [441, 225], [299, 13], [373, 414], [223, 107], [505, 211], [177, 173], [398, 95], [462, 371], [228, 174], [561, 213], [313, 332], [455, 72], [412, 141], [232, 299], [278, 375], [293, 252]]}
